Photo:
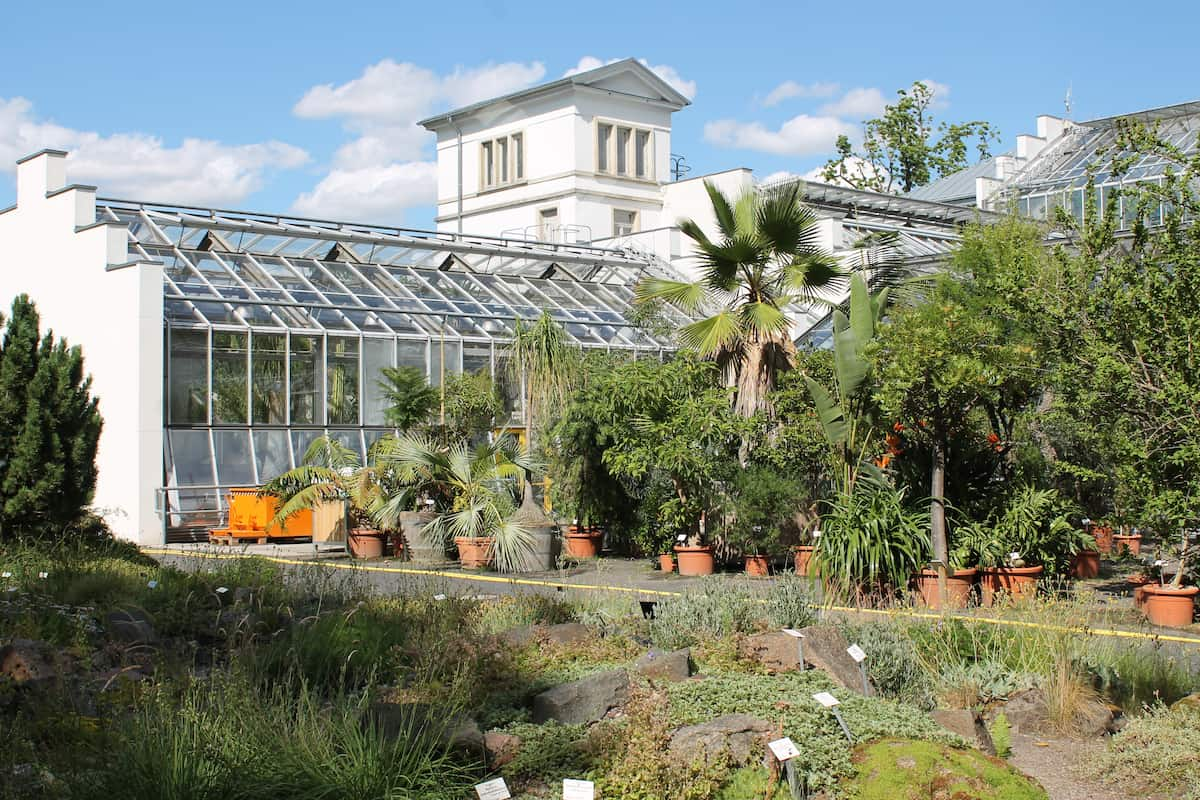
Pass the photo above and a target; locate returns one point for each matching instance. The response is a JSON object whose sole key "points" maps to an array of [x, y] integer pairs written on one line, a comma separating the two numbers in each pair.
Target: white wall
{"points": [[689, 200], [51, 250]]}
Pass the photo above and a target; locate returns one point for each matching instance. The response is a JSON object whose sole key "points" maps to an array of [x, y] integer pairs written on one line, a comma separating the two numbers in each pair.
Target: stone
{"points": [[825, 649], [131, 626], [501, 747], [396, 720], [563, 633], [967, 723], [774, 650], [667, 666], [1093, 718], [740, 737], [1026, 710], [583, 701], [28, 661], [1191, 701]]}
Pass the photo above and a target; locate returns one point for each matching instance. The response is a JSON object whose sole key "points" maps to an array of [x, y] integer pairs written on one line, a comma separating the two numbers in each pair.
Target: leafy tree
{"points": [[472, 405], [410, 398], [49, 427], [767, 259], [906, 148]]}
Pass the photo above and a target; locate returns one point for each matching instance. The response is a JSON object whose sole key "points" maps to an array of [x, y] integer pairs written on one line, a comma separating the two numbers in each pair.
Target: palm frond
{"points": [[688, 296], [766, 319], [708, 336], [721, 210]]}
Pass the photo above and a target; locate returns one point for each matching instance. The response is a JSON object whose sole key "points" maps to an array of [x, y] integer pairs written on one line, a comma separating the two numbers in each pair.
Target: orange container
{"points": [[252, 514]]}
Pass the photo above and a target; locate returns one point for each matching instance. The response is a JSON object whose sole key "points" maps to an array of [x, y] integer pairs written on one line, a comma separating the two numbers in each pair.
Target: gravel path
{"points": [[1059, 765]]}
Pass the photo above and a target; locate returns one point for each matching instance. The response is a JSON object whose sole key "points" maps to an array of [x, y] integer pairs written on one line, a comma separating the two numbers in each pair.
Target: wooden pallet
{"points": [[229, 538]]}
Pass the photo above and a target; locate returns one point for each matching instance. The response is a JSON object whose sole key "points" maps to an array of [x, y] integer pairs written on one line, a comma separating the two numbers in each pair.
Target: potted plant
{"points": [[1025, 540], [1128, 541], [960, 574], [332, 472], [1103, 534], [1173, 604], [760, 503], [583, 541]]}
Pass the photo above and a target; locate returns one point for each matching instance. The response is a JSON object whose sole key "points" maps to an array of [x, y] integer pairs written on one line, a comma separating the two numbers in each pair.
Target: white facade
{"points": [[87, 289]]}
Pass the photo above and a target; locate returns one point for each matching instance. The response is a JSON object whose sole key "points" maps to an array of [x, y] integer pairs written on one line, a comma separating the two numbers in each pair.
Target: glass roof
{"points": [[233, 269]]}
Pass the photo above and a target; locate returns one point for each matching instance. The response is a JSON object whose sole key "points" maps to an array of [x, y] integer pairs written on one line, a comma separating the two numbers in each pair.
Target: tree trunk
{"points": [[937, 514]]}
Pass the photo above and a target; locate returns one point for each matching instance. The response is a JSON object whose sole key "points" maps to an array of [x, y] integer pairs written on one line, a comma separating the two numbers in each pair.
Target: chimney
{"points": [[37, 174]]}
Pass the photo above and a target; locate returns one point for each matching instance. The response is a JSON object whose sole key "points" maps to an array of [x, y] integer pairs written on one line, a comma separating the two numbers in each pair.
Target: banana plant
{"points": [[847, 414]]}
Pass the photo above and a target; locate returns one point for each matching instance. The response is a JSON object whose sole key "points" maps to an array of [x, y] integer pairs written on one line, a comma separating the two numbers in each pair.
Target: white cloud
{"points": [[666, 72], [941, 93], [789, 89], [371, 194], [857, 102], [802, 135], [141, 166]]}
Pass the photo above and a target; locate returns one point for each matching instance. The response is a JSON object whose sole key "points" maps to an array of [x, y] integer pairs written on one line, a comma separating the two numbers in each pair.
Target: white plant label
{"points": [[493, 790], [1014, 555], [439, 597], [826, 699], [793, 632], [782, 749], [578, 790], [856, 653]]}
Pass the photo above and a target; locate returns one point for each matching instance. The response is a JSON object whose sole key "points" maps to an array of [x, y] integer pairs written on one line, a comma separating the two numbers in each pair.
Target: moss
{"points": [[901, 769]]}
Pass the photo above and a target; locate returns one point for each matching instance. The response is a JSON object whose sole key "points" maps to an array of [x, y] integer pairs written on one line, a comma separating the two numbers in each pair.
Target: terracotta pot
{"points": [[1085, 564], [1132, 543], [666, 562], [365, 543], [803, 555], [474, 553], [696, 560], [1170, 607], [958, 588], [757, 566], [583, 544], [1104, 538], [1016, 582], [1139, 584]]}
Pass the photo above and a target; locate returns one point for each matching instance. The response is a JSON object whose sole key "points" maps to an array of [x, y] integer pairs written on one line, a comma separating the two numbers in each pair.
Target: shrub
{"points": [[892, 663], [714, 608], [789, 602], [1156, 753], [871, 538], [1002, 735]]}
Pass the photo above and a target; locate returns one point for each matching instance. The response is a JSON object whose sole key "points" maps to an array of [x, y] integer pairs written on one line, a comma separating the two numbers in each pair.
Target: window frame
{"points": [[606, 159], [509, 147], [634, 219]]}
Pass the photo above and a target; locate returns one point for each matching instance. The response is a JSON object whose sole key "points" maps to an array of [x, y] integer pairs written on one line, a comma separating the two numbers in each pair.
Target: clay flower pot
{"points": [[474, 553], [1131, 543], [1104, 538], [365, 543], [1085, 564], [583, 542], [697, 560], [1016, 582], [666, 562], [757, 566], [803, 555], [1168, 606], [958, 588], [1139, 583]]}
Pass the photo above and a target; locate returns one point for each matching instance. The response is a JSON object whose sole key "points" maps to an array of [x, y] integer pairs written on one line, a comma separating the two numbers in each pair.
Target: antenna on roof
{"points": [[678, 167], [1067, 101]]}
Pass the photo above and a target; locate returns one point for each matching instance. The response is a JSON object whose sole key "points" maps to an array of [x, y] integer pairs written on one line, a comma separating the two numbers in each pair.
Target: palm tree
{"points": [[475, 488], [767, 259], [332, 472]]}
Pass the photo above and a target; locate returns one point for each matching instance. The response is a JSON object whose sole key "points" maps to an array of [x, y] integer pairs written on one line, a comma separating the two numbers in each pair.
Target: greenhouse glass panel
{"points": [[191, 459], [187, 377], [235, 467], [229, 376], [477, 357], [413, 353], [306, 390], [269, 378], [341, 383], [377, 354], [302, 440], [351, 440], [446, 358], [271, 453]]}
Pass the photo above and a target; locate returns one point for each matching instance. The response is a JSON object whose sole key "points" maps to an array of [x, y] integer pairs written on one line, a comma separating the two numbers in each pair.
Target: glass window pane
{"points": [[229, 380], [412, 353], [271, 453], [603, 140], [350, 440], [622, 151], [234, 465], [301, 441], [642, 156], [187, 371], [342, 381], [488, 166], [191, 461], [477, 356], [377, 354], [502, 159], [445, 358], [268, 378], [518, 147], [306, 363]]}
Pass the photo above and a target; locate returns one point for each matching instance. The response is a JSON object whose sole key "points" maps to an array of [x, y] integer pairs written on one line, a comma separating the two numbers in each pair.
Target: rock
{"points": [[131, 626], [586, 700], [739, 736], [563, 633], [1026, 710], [967, 723], [396, 720], [776, 651], [1092, 719], [28, 661], [661, 665], [825, 649], [519, 637], [501, 748], [1191, 701]]}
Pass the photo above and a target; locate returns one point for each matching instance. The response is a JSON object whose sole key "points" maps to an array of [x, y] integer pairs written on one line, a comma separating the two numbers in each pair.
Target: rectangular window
{"points": [[624, 222], [268, 379], [341, 380], [229, 378], [641, 164], [187, 370], [306, 362], [501, 161], [623, 151], [603, 144], [377, 354]]}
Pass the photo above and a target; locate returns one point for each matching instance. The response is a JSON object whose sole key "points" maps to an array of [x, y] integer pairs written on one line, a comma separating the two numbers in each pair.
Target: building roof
{"points": [[667, 93], [957, 186], [240, 270], [909, 210]]}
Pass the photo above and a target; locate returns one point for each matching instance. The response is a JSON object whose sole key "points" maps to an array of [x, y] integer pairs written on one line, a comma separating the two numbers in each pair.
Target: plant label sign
{"points": [[793, 632], [578, 790], [856, 653], [493, 790], [826, 699], [782, 749]]}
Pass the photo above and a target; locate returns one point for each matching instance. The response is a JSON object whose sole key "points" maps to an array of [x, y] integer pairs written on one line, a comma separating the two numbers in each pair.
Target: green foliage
{"points": [[892, 769], [410, 398], [331, 472], [1001, 734], [548, 753], [1035, 525], [761, 507], [789, 602], [1155, 754], [893, 666], [900, 151], [49, 429], [794, 442], [473, 405], [767, 259], [871, 538], [713, 609]]}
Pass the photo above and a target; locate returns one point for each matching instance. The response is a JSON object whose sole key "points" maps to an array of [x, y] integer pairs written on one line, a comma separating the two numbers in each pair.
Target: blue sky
{"points": [[309, 107]]}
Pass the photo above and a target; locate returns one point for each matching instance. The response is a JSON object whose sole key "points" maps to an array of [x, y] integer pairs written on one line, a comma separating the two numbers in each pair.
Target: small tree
{"points": [[49, 427], [905, 149], [410, 398]]}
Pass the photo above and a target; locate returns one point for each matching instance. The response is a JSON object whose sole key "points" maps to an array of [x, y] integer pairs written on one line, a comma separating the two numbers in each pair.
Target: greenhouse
{"points": [[276, 329]]}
